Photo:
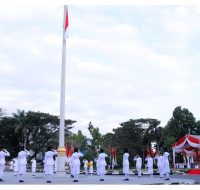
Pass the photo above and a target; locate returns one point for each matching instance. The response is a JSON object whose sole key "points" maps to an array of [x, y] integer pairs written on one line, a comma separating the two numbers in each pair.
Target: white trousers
{"points": [[1, 170], [139, 171]]}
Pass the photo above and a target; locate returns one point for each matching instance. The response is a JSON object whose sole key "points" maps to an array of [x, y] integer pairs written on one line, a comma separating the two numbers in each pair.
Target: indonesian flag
{"points": [[66, 23], [113, 152], [70, 151], [114, 161]]}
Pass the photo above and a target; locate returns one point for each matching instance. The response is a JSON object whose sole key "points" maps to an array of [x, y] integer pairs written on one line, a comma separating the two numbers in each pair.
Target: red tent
{"points": [[187, 144]]}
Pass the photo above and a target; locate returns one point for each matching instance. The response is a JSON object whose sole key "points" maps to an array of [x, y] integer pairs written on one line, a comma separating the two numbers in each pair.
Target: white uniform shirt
{"points": [[149, 161], [2, 156], [75, 158], [159, 159], [166, 162], [22, 157], [138, 162], [165, 159], [125, 159], [101, 159], [48, 158]]}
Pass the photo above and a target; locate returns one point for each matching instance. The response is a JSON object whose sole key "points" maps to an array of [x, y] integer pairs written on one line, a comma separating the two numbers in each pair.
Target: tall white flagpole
{"points": [[61, 148]]}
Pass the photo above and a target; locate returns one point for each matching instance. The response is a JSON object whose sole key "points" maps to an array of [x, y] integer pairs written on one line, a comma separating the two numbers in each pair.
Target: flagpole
{"points": [[62, 95], [61, 148]]}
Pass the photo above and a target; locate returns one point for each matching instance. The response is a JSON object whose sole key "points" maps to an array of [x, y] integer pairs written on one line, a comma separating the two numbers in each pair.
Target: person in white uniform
{"points": [[102, 164], [15, 166], [76, 164], [126, 164], [159, 159], [49, 163], [138, 160], [3, 154], [166, 167], [33, 166], [149, 160], [22, 162], [85, 166]]}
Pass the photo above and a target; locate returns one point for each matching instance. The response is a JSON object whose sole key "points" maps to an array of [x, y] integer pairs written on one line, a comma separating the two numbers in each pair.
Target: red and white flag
{"points": [[66, 23], [70, 151]]}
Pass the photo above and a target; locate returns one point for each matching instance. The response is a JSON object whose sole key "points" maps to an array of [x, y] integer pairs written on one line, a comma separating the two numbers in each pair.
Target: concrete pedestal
{"points": [[61, 159]]}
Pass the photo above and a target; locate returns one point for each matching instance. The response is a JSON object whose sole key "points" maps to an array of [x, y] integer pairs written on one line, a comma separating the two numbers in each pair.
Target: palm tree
{"points": [[21, 125]]}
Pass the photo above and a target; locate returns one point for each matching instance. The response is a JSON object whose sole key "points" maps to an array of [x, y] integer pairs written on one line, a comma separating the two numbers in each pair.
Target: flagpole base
{"points": [[61, 158]]}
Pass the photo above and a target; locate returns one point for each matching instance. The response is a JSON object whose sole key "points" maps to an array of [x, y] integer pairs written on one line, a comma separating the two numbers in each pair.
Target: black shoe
{"points": [[166, 179], [126, 180], [75, 181], [1, 180], [71, 176], [48, 181], [21, 181], [101, 180]]}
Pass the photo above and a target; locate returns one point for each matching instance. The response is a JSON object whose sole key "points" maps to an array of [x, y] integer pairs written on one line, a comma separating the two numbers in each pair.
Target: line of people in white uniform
{"points": [[162, 164], [19, 166], [74, 163]]}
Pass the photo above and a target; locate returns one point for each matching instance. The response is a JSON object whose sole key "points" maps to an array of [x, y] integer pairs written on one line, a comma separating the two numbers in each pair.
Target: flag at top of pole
{"points": [[66, 22]]}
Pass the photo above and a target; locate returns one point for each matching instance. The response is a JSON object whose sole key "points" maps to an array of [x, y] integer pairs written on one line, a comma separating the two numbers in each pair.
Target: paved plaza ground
{"points": [[65, 179]]}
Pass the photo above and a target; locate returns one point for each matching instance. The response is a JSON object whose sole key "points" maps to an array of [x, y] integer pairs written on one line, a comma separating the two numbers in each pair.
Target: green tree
{"points": [[181, 123], [150, 126], [9, 138], [197, 130], [108, 140], [159, 137], [22, 126], [96, 135], [129, 135], [43, 131], [36, 129]]}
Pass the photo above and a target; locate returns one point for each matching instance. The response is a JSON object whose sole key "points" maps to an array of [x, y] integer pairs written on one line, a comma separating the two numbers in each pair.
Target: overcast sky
{"points": [[123, 62]]}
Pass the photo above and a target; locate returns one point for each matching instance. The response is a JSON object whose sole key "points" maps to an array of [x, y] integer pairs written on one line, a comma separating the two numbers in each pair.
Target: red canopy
{"points": [[187, 143]]}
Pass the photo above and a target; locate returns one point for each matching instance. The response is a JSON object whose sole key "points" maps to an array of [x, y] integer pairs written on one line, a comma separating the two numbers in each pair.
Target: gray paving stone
{"points": [[63, 178]]}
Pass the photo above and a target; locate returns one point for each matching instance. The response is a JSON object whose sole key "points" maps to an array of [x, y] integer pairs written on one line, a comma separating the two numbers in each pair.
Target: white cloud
{"points": [[177, 27]]}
